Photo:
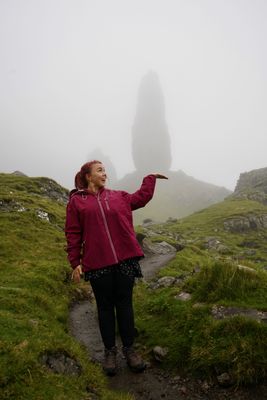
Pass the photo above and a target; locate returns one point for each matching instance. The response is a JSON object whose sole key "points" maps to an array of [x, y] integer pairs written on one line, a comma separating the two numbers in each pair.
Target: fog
{"points": [[70, 72]]}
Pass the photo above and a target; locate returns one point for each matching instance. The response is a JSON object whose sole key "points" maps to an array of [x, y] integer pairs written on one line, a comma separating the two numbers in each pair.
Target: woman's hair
{"points": [[80, 180]]}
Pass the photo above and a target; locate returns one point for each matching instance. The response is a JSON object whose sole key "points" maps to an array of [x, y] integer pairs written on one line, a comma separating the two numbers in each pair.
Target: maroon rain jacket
{"points": [[99, 227]]}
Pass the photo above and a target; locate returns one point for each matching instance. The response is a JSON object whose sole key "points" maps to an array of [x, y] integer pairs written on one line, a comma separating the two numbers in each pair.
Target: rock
{"points": [[183, 296], [221, 312], [147, 222], [157, 248], [165, 281], [151, 148], [42, 214], [61, 363], [179, 246], [252, 185], [245, 223], [176, 379], [212, 243], [249, 243], [224, 380], [140, 237], [18, 173], [53, 190], [250, 252], [205, 386], [21, 209], [171, 220], [253, 195], [160, 353], [183, 390], [8, 205]]}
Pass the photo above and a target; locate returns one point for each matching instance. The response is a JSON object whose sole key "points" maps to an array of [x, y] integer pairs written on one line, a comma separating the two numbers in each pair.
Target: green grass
{"points": [[197, 342], [227, 284], [35, 294]]}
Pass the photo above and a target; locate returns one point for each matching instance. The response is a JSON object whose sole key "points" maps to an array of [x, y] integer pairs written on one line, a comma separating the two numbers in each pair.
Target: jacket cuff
{"points": [[75, 264]]}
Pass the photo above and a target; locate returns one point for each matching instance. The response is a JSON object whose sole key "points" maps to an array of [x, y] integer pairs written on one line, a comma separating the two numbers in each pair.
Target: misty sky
{"points": [[70, 72]]}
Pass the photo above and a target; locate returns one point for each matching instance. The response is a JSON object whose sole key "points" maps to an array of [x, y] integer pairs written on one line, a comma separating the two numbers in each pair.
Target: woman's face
{"points": [[97, 175]]}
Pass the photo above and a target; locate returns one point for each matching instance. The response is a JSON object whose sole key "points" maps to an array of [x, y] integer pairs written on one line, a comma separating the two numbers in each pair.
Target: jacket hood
{"points": [[75, 192]]}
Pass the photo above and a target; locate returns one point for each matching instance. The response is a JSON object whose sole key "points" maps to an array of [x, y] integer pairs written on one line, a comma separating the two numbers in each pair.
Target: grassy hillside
{"points": [[177, 197], [35, 293], [223, 268]]}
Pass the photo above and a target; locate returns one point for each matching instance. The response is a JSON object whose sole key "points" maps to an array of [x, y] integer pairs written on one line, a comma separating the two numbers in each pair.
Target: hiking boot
{"points": [[109, 364], [134, 360]]}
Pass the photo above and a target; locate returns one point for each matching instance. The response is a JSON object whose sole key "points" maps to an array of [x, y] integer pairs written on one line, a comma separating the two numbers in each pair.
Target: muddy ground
{"points": [[153, 383]]}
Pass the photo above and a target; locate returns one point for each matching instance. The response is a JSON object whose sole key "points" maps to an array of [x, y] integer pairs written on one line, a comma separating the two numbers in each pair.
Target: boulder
{"points": [[160, 353], [165, 281], [224, 379], [212, 243], [157, 248], [183, 296], [245, 223], [61, 363]]}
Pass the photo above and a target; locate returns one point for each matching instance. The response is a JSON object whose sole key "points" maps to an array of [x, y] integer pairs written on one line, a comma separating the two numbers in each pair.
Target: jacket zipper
{"points": [[107, 205], [107, 229]]}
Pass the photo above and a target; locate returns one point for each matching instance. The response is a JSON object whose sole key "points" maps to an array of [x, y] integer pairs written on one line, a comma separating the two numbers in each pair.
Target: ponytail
{"points": [[78, 181]]}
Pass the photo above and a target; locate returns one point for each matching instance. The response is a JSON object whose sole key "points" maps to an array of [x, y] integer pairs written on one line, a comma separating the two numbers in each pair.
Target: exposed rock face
{"points": [[50, 188], [245, 223], [252, 185], [179, 196], [8, 205], [255, 179], [150, 137]]}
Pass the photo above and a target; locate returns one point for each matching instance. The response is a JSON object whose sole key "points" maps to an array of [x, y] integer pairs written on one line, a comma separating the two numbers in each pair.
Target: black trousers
{"points": [[113, 293]]}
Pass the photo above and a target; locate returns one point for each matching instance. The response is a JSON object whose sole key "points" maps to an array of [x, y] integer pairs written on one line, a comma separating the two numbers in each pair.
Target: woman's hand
{"points": [[76, 274], [160, 176]]}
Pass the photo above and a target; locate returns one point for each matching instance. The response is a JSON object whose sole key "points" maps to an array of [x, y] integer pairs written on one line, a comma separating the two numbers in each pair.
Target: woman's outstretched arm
{"points": [[143, 195]]}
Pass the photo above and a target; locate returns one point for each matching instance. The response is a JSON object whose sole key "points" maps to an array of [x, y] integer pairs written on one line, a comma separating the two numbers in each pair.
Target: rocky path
{"points": [[153, 384]]}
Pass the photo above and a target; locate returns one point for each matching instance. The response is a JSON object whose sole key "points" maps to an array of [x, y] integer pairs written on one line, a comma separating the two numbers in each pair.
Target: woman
{"points": [[101, 242]]}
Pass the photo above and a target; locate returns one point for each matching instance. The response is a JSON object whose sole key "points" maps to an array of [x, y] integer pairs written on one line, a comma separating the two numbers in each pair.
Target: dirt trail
{"points": [[154, 383]]}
